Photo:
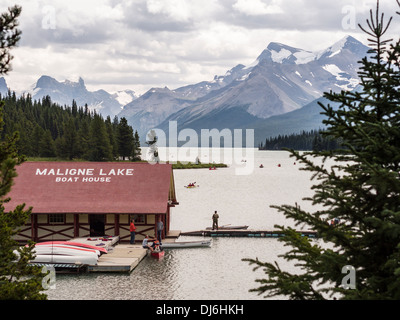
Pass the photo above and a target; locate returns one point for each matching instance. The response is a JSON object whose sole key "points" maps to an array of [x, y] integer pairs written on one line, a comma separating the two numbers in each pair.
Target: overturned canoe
{"points": [[55, 258], [64, 250], [71, 243]]}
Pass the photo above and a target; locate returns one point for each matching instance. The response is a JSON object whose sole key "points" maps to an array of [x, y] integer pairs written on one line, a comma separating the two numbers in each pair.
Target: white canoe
{"points": [[55, 258], [72, 243], [187, 244], [65, 250]]}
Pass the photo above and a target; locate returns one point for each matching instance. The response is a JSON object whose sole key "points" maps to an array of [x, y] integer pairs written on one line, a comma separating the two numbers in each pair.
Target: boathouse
{"points": [[87, 199]]}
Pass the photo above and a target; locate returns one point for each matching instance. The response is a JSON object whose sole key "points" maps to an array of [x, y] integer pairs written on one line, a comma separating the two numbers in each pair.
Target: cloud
{"points": [[139, 44], [257, 7], [178, 10]]}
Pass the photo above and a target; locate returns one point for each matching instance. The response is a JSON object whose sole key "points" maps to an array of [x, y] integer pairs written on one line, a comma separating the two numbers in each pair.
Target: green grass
{"points": [[190, 165], [178, 165]]}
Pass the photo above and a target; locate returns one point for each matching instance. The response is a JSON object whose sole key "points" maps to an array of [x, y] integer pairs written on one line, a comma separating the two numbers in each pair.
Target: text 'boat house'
{"points": [[87, 199]]}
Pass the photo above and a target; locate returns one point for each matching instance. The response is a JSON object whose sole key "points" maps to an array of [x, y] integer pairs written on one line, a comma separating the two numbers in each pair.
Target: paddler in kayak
{"points": [[156, 247]]}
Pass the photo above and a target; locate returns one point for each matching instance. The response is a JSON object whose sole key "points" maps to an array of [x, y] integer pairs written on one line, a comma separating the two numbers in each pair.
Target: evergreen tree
{"points": [[68, 144], [9, 37], [36, 137], [124, 139], [18, 280], [74, 108], [112, 132], [83, 140], [99, 143], [136, 151], [361, 190], [46, 145]]}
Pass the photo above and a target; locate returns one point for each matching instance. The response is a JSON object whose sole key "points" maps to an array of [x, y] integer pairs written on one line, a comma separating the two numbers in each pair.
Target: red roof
{"points": [[93, 187]]}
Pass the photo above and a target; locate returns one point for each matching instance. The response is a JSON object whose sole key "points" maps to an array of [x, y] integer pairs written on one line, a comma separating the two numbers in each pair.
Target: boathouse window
{"points": [[57, 218], [139, 218]]}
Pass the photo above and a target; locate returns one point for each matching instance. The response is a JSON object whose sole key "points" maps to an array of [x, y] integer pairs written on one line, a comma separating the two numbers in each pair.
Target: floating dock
{"points": [[245, 233], [122, 258]]}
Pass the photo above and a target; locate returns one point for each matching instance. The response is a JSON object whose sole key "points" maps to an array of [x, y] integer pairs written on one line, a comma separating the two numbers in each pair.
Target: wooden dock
{"points": [[126, 257], [245, 233], [122, 258], [173, 234]]}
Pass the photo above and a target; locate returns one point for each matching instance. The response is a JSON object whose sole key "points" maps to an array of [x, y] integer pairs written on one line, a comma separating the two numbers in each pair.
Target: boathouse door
{"points": [[97, 224]]}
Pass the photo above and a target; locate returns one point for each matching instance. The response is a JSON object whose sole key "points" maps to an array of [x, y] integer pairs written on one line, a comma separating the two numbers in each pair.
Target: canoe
{"points": [[71, 243], [158, 254], [187, 244], [64, 250], [191, 187], [55, 258], [230, 228]]}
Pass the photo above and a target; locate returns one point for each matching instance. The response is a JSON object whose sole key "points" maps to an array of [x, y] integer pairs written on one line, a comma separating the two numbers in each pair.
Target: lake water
{"points": [[216, 273]]}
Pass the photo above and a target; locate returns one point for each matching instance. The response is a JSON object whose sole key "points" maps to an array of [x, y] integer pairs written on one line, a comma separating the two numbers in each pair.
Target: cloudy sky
{"points": [[140, 44]]}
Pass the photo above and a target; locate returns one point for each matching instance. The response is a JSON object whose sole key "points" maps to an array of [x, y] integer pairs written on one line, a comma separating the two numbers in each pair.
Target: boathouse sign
{"points": [[86, 175]]}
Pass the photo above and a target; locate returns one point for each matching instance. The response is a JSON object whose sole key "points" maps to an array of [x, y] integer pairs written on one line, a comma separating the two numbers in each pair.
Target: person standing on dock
{"points": [[215, 220], [160, 228], [132, 229]]}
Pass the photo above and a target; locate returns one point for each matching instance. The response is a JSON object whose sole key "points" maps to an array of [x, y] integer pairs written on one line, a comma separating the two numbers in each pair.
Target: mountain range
{"points": [[66, 91], [283, 81], [277, 94]]}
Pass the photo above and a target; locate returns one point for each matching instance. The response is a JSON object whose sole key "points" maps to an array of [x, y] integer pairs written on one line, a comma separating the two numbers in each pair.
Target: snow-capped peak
{"points": [[280, 53], [75, 82], [124, 97], [346, 43]]}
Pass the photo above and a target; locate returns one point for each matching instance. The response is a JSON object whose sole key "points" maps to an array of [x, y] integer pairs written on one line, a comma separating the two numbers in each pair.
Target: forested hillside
{"points": [[305, 141], [68, 132]]}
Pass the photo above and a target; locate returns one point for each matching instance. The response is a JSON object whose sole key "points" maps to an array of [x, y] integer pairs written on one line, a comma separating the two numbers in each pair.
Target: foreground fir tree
{"points": [[18, 280], [362, 190]]}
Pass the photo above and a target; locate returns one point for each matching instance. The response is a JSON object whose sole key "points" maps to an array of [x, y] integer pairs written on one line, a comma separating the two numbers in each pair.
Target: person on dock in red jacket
{"points": [[132, 229]]}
